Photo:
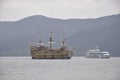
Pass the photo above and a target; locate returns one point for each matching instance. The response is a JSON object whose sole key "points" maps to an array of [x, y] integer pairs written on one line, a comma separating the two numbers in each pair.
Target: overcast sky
{"points": [[64, 9]]}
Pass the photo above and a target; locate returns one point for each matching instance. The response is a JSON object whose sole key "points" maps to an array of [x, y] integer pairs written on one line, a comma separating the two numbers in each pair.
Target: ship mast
{"points": [[63, 41], [40, 42], [40, 39], [50, 40]]}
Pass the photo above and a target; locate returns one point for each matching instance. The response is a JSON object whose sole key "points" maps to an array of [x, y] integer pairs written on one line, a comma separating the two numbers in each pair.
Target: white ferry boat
{"points": [[96, 53]]}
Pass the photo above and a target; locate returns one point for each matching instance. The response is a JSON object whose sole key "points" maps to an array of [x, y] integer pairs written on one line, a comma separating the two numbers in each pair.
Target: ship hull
{"points": [[62, 55], [52, 58], [96, 55]]}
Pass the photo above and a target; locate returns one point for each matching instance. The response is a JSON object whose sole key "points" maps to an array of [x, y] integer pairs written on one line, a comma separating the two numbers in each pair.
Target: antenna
{"points": [[96, 47]]}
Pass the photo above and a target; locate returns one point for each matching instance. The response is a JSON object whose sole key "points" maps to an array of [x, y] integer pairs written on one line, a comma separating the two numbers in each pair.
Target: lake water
{"points": [[77, 68]]}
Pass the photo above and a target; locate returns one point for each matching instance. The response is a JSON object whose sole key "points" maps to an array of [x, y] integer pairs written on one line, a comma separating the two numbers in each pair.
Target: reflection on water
{"points": [[77, 68]]}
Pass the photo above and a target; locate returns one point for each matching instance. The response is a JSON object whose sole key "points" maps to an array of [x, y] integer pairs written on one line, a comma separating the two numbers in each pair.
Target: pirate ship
{"points": [[41, 51]]}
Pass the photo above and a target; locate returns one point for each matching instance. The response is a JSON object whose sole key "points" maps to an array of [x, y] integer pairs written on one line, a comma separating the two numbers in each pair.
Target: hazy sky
{"points": [[64, 9]]}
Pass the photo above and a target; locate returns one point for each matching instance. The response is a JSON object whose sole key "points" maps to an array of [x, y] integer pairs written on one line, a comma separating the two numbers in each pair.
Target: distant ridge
{"points": [[16, 36]]}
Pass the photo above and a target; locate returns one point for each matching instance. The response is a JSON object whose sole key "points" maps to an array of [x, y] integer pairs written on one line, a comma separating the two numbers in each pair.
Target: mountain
{"points": [[105, 37], [16, 36]]}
